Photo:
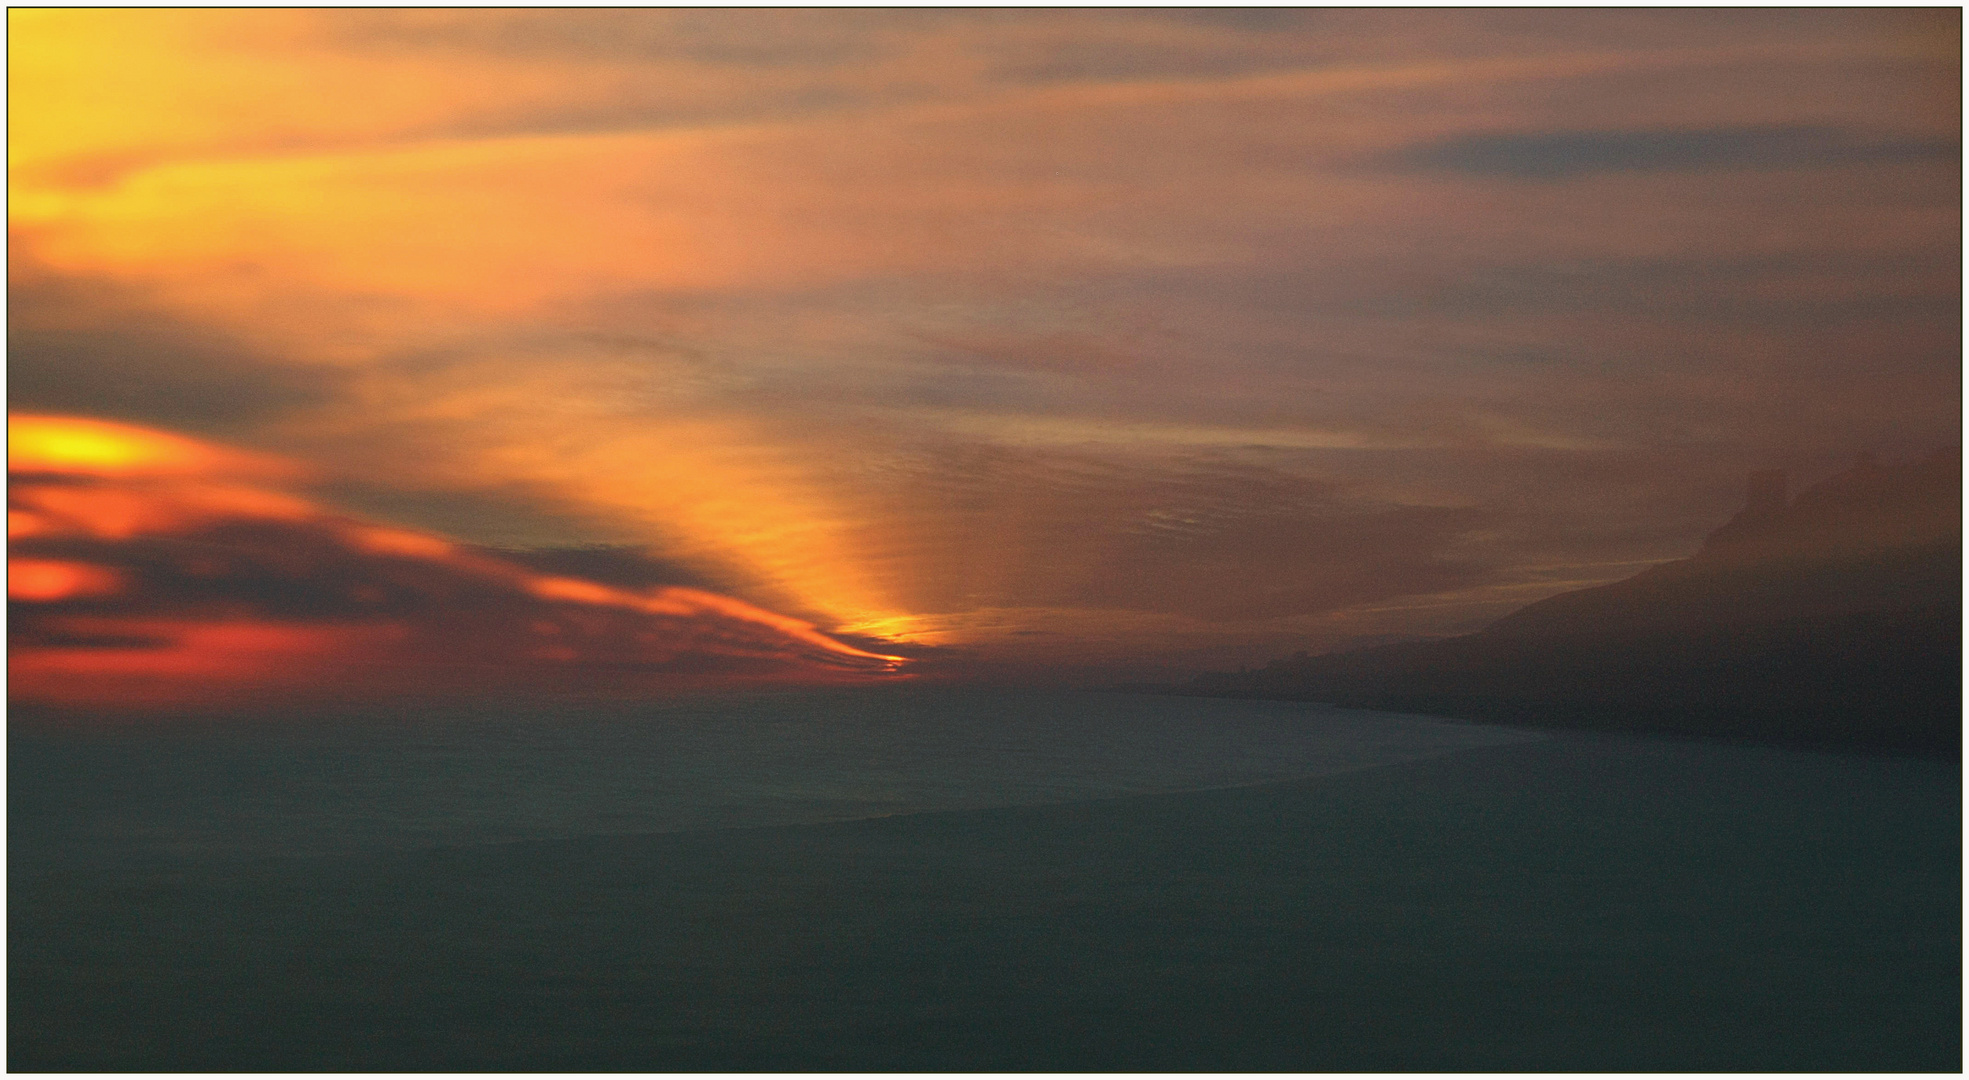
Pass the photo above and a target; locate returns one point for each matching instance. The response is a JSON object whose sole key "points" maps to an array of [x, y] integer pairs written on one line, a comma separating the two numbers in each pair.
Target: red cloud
{"points": [[146, 568]]}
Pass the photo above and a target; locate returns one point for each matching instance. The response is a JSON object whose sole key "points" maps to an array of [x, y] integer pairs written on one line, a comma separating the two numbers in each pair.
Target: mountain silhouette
{"points": [[1833, 619]]}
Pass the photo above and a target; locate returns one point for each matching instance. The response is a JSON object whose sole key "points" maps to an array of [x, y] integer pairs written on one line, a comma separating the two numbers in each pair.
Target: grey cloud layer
{"points": [[77, 345]]}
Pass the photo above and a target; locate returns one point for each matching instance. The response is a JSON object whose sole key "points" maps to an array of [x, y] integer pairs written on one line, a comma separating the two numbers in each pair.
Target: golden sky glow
{"points": [[1133, 340]]}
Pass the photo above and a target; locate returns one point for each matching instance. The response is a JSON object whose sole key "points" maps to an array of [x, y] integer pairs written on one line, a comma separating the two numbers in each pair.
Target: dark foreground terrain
{"points": [[1582, 902], [1831, 620]]}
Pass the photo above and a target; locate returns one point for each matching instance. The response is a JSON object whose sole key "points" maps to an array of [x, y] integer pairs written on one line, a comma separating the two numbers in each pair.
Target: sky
{"points": [[1034, 344]]}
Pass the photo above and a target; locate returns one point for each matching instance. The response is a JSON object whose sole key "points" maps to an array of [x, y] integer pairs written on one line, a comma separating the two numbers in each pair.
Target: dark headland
{"points": [[1833, 620]]}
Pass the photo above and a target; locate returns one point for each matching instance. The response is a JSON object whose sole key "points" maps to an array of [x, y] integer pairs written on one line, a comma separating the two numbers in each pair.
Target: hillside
{"points": [[1833, 619]]}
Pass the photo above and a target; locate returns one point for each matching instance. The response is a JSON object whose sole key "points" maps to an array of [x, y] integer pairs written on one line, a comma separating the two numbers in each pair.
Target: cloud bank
{"points": [[152, 569]]}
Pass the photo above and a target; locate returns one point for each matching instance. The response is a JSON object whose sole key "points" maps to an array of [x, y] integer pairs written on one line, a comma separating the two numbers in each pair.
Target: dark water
{"points": [[352, 782], [950, 880]]}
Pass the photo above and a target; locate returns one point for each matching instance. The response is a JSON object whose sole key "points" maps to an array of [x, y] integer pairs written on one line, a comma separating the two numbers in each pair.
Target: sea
{"points": [[959, 879]]}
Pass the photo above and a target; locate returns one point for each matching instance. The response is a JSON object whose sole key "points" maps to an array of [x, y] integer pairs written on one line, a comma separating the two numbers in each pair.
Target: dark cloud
{"points": [[507, 519], [450, 611], [164, 586], [620, 565], [77, 345], [1559, 155]]}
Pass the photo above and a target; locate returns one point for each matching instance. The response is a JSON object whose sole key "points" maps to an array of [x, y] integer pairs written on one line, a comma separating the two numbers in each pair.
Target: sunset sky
{"points": [[1104, 344]]}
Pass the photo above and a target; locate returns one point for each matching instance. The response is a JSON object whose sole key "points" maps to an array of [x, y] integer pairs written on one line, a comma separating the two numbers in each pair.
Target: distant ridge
{"points": [[1833, 619]]}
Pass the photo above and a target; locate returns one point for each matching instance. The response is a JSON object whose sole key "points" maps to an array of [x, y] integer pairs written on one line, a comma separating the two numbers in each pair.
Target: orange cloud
{"points": [[54, 579], [65, 444], [140, 662], [142, 575]]}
